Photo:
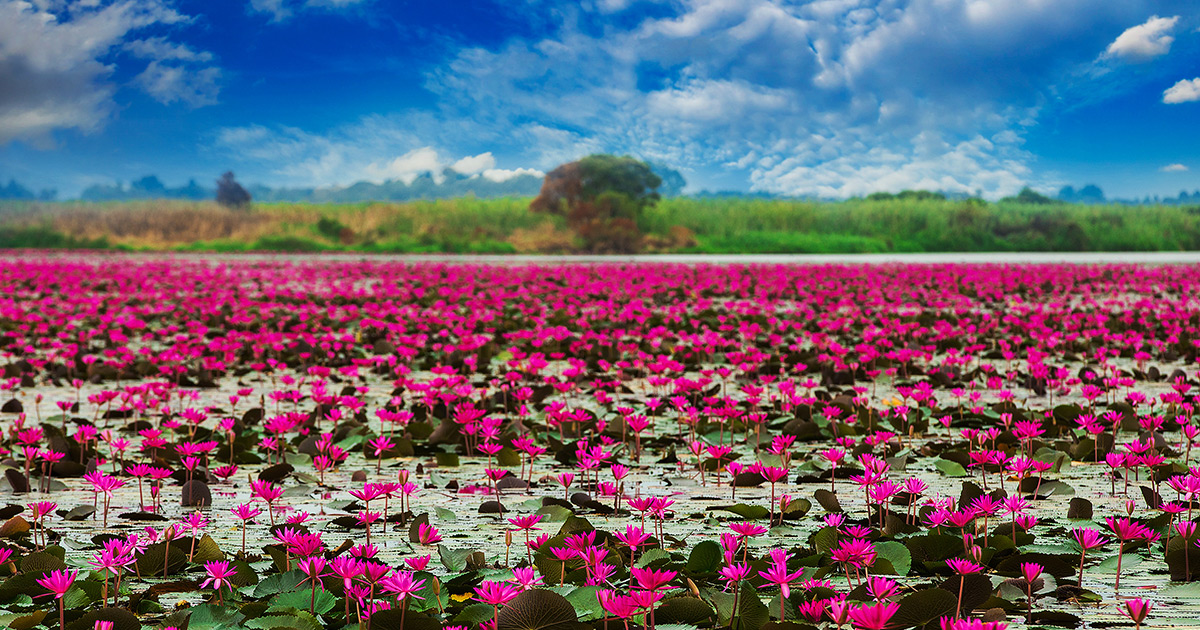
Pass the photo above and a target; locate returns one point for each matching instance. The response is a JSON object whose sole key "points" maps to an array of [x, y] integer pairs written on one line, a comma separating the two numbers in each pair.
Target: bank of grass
{"points": [[500, 226]]}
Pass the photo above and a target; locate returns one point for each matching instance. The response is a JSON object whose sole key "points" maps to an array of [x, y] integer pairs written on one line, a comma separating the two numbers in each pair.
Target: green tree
{"points": [[603, 198], [1030, 196], [230, 193]]}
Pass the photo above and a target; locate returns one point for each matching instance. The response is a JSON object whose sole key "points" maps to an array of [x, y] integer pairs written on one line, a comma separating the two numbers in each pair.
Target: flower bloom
{"points": [[58, 582]]}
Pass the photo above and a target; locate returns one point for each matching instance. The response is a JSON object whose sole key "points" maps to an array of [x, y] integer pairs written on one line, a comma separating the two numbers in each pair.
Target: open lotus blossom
{"points": [[496, 594], [1136, 609], [58, 583], [585, 409], [873, 616], [219, 573]]}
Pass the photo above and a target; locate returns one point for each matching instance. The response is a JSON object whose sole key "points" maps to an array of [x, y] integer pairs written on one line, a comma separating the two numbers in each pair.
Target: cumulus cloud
{"points": [[505, 174], [1144, 41], [161, 49], [407, 167], [176, 83], [376, 149], [1185, 91], [55, 66], [712, 100], [1174, 168], [828, 98], [475, 164], [280, 10]]}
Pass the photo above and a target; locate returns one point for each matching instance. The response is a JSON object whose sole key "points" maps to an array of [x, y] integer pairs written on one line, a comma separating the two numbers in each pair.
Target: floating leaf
{"points": [[1079, 509], [474, 613], [537, 609], [1109, 564], [14, 527], [586, 605], [827, 500], [212, 617], [1188, 591], [752, 613], [121, 619], [555, 513], [302, 599], [685, 610], [151, 561], [921, 607], [22, 621], [278, 583], [42, 562], [752, 512], [300, 620], [651, 556], [79, 513], [1056, 618], [933, 547], [976, 589], [796, 508], [704, 558], [455, 560], [950, 469], [896, 554]]}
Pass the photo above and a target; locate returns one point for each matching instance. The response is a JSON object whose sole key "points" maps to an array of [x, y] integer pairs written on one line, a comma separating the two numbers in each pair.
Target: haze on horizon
{"points": [[830, 98]]}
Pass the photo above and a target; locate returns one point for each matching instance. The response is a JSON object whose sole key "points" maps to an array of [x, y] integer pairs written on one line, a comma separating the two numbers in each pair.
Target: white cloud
{"points": [[1174, 168], [376, 149], [475, 164], [818, 98], [161, 49], [504, 174], [174, 83], [407, 167], [1184, 91], [1144, 41], [55, 65], [281, 10], [713, 100]]}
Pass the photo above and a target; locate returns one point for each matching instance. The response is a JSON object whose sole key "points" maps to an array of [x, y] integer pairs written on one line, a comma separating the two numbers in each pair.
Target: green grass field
{"points": [[471, 225]]}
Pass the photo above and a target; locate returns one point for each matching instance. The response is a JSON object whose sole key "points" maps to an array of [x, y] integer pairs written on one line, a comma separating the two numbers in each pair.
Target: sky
{"points": [[827, 98]]}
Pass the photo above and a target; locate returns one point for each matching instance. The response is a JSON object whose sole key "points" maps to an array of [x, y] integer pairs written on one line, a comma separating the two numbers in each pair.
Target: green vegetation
{"points": [[884, 223], [603, 198]]}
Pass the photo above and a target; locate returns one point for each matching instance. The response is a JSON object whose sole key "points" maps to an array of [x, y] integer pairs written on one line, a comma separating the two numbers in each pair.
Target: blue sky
{"points": [[829, 97]]}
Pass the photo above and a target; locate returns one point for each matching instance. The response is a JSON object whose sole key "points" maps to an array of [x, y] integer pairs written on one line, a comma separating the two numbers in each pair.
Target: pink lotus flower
{"points": [[1136, 609], [873, 616], [496, 594], [219, 573], [58, 583], [428, 534], [621, 606]]}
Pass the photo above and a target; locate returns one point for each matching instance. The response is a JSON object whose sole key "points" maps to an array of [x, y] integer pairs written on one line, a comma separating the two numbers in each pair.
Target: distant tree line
{"points": [[148, 187], [15, 191], [446, 185]]}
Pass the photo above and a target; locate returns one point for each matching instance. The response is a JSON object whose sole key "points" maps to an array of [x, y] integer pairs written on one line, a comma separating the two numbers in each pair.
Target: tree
{"points": [[1091, 194], [149, 187], [1029, 196], [673, 182], [603, 198], [230, 193]]}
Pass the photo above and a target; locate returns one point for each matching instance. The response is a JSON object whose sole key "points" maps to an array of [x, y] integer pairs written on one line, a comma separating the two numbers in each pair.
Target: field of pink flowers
{"points": [[212, 444]]}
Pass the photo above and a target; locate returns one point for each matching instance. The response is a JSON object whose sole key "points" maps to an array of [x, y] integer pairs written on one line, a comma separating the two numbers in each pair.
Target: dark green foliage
{"points": [[331, 228], [1030, 196], [44, 238], [603, 198], [631, 178], [230, 193], [537, 610]]}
